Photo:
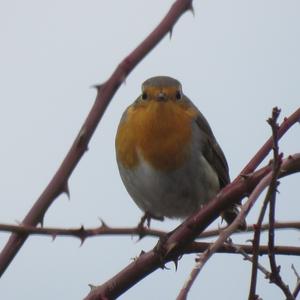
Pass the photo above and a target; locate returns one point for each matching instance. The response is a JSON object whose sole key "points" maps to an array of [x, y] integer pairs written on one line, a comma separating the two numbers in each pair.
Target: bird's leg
{"points": [[146, 218]]}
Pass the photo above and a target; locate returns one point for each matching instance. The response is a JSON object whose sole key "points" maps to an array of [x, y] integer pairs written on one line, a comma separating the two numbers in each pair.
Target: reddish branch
{"points": [[194, 247], [105, 92], [84, 233], [256, 245]]}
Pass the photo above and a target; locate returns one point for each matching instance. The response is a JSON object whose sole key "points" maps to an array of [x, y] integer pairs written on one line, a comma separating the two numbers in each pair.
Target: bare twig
{"points": [[197, 247], [256, 245], [297, 288], [251, 227], [105, 92], [277, 160], [247, 257], [296, 273], [270, 194]]}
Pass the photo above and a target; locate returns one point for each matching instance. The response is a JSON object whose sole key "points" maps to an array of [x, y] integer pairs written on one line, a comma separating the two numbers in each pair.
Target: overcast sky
{"points": [[236, 59]]}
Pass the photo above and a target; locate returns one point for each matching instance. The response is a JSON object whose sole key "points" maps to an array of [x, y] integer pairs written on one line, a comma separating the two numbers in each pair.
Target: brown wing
{"points": [[213, 152], [215, 156]]}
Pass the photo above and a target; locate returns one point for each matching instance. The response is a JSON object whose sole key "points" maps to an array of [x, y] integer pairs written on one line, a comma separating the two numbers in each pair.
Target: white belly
{"points": [[175, 194]]}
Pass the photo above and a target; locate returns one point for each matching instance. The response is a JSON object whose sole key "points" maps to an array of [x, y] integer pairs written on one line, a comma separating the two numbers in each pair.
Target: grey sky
{"points": [[235, 59]]}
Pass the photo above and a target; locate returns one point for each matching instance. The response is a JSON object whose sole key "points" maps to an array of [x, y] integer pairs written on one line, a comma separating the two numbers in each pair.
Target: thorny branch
{"points": [[195, 247], [83, 233]]}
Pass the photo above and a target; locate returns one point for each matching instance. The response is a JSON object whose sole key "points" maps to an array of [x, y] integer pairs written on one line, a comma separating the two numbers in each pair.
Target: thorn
{"points": [[42, 221], [81, 229], [142, 253], [191, 9], [82, 240], [278, 269], [81, 234], [66, 190], [175, 261], [92, 287], [141, 233], [97, 87], [103, 224], [53, 237], [170, 33]]}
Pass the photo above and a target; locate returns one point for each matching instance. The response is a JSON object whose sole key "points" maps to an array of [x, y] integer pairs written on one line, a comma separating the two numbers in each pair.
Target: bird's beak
{"points": [[161, 96]]}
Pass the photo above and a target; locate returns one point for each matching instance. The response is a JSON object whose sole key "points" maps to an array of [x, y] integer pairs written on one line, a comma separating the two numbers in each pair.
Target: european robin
{"points": [[168, 157]]}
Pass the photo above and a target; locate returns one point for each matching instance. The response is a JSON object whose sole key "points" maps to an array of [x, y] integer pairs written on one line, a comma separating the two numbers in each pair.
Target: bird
{"points": [[167, 155]]}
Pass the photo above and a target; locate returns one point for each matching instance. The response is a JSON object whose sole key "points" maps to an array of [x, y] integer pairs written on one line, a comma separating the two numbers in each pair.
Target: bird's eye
{"points": [[178, 95], [144, 96]]}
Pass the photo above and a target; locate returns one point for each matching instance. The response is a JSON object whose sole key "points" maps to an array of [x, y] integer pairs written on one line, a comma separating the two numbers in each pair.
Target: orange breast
{"points": [[159, 131]]}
